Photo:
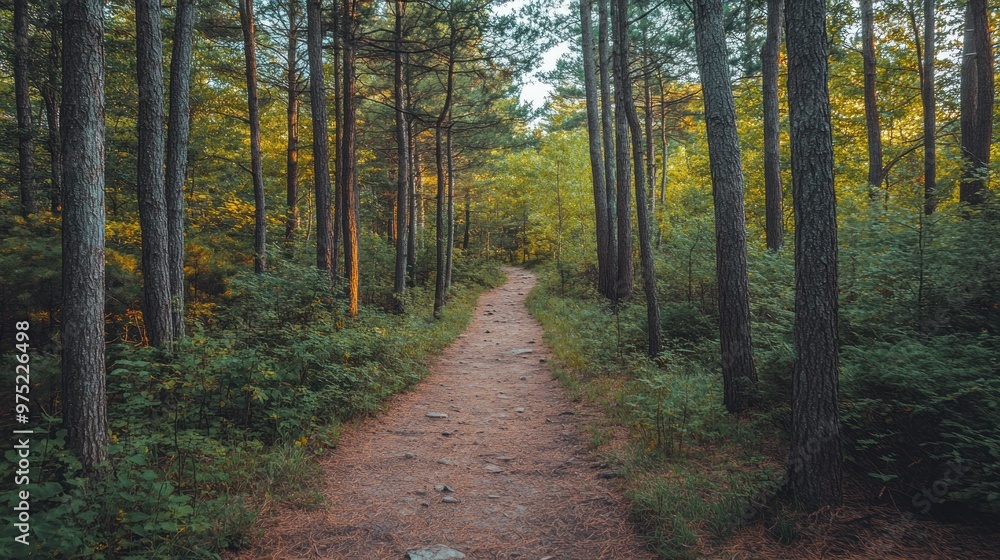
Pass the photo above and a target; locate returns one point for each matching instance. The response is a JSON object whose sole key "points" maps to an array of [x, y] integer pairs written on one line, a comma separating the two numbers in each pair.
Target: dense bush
{"points": [[236, 411]]}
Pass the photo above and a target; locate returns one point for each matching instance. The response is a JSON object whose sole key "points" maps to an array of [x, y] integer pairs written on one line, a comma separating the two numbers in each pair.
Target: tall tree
{"points": [[22, 95], [52, 98], [83, 383], [152, 194], [606, 277], [440, 282], [247, 24], [450, 245], [178, 129], [292, 123], [871, 98], [977, 98], [625, 102], [403, 160], [321, 140], [620, 70], [738, 371], [347, 175], [814, 474], [929, 105], [774, 228], [607, 139]]}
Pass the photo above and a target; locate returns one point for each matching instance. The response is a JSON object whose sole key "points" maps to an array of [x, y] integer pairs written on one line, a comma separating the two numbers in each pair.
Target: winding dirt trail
{"points": [[510, 450]]}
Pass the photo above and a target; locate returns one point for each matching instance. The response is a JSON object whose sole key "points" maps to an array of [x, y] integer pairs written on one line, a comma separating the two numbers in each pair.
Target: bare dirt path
{"points": [[510, 450]]}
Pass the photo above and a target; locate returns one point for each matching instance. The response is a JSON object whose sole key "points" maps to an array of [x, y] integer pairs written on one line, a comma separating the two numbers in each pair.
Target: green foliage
{"points": [[203, 436]]}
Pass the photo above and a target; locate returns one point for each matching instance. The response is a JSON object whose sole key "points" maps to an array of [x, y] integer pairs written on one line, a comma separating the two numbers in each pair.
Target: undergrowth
{"points": [[232, 419]]}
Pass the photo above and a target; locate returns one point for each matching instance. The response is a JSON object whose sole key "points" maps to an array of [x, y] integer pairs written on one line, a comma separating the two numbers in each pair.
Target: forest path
{"points": [[510, 448]]}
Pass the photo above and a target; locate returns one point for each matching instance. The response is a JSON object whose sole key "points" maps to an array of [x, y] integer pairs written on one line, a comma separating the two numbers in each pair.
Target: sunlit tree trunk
{"points": [[774, 211], [22, 96], [451, 209], [321, 140], [814, 474], [441, 269], [977, 98], [871, 99], [347, 175], [292, 124], [623, 286], [338, 164], [178, 129], [606, 278], [626, 103], [403, 161], [738, 372], [152, 195], [260, 217], [83, 382]]}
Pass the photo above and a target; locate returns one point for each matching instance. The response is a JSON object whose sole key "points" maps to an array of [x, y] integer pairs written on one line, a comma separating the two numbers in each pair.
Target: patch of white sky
{"points": [[534, 90]]}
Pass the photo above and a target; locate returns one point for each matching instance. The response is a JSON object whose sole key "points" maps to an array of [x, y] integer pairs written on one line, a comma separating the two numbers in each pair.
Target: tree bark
{"points": [[623, 284], [451, 209], [607, 139], [178, 129], [977, 91], [871, 99], [606, 278], [321, 140], [403, 161], [152, 195], [22, 95], [411, 237], [83, 382], [347, 177], [626, 103], [51, 96], [292, 124], [738, 371], [441, 279], [774, 211], [929, 107], [814, 474], [338, 165], [260, 217]]}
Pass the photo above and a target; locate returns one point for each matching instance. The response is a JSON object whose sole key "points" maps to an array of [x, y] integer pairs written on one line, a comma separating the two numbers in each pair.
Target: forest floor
{"points": [[486, 455]]}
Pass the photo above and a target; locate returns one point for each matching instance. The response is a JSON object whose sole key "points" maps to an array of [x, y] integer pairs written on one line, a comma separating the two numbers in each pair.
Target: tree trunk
{"points": [[871, 99], [814, 474], [930, 107], [403, 157], [321, 140], [451, 210], [976, 101], [338, 164], [178, 129], [606, 278], [468, 219], [647, 113], [152, 195], [292, 122], [260, 216], [774, 211], [22, 95], [738, 372], [411, 237], [441, 279], [626, 104], [623, 284], [52, 98], [607, 139], [83, 383], [347, 177]]}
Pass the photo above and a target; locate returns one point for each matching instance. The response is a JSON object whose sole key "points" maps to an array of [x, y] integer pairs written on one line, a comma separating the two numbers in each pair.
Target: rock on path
{"points": [[386, 476]]}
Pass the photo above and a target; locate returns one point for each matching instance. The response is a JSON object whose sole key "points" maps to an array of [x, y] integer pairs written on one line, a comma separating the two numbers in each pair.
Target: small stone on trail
{"points": [[444, 488], [494, 469], [409, 456], [436, 552], [505, 459], [448, 434], [523, 378], [566, 413], [518, 409], [493, 497], [446, 461], [487, 332], [449, 500], [436, 415], [518, 351]]}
